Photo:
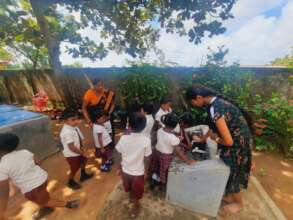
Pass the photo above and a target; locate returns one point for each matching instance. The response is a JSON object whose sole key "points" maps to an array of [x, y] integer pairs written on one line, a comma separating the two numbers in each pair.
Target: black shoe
{"points": [[72, 204], [86, 176], [73, 185], [42, 212]]}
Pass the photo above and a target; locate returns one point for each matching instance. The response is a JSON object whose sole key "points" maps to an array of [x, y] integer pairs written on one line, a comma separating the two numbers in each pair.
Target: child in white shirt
{"points": [[147, 110], [22, 168], [134, 148], [102, 139], [165, 108], [72, 141], [167, 143]]}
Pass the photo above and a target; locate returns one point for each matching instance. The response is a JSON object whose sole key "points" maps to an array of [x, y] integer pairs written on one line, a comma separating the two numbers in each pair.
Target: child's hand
{"points": [[103, 150], [119, 172], [191, 162]]}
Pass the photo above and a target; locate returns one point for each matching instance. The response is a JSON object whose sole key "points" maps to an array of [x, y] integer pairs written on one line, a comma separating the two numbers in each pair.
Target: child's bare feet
{"points": [[232, 208]]}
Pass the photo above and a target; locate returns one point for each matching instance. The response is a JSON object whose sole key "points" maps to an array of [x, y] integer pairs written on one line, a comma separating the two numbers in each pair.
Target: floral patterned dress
{"points": [[237, 157]]}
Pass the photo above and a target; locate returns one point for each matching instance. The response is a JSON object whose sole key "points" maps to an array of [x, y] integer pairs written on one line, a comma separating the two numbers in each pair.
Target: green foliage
{"points": [[21, 34], [284, 61], [278, 133], [143, 87], [130, 27]]}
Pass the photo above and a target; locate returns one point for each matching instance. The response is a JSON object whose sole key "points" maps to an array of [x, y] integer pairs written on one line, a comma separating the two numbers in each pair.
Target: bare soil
{"points": [[275, 173]]}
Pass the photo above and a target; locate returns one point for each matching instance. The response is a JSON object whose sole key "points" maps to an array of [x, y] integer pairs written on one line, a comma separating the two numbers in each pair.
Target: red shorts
{"points": [[39, 195], [134, 185], [75, 163]]}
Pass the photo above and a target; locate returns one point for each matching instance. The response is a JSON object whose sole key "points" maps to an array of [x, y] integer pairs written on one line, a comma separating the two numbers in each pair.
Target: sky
{"points": [[261, 31]]}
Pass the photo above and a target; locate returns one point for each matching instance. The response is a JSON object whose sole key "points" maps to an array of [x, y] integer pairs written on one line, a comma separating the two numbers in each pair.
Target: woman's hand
{"points": [[191, 162]]}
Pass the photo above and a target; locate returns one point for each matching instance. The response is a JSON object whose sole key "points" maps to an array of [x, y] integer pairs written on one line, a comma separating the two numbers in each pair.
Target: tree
{"points": [[126, 26], [21, 34], [284, 61], [131, 27], [217, 57]]}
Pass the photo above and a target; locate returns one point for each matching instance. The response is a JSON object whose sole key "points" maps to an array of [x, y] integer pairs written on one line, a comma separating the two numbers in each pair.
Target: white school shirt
{"points": [[69, 135], [100, 129], [159, 115], [19, 166], [108, 126], [149, 126], [134, 148], [166, 141]]}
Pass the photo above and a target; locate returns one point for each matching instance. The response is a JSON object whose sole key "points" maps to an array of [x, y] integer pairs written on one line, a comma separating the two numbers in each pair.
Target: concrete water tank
{"points": [[33, 129], [199, 187]]}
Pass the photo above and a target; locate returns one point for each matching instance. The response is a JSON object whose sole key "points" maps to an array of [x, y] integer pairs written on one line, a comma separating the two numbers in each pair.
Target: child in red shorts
{"points": [[22, 168], [134, 148], [102, 139], [71, 139]]}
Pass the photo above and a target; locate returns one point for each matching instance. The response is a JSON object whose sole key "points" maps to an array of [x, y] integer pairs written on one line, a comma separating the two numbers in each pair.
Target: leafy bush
{"points": [[278, 131], [142, 87]]}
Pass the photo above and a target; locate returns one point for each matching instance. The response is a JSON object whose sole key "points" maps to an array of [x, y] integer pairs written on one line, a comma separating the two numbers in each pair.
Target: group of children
{"points": [[146, 151]]}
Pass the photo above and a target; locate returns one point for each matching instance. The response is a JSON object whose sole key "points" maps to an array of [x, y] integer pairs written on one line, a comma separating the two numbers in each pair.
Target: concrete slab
{"points": [[33, 129]]}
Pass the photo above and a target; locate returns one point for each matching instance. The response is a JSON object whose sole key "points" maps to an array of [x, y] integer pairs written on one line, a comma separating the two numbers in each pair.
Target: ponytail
{"points": [[170, 120]]}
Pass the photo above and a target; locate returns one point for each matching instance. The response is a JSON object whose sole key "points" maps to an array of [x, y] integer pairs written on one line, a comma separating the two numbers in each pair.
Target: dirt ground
{"points": [[156, 208], [276, 176], [92, 195], [273, 171]]}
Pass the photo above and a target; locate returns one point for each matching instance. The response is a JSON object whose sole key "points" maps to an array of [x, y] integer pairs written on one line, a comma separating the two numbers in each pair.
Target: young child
{"points": [[71, 139], [22, 168], [185, 122], [102, 139], [147, 110], [165, 108], [134, 148], [166, 144]]}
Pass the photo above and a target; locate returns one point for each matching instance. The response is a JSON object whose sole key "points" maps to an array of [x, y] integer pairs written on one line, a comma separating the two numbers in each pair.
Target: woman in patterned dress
{"points": [[231, 130]]}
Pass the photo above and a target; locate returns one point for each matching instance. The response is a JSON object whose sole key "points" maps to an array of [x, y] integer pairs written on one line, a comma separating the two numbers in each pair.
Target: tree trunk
{"points": [[53, 45]]}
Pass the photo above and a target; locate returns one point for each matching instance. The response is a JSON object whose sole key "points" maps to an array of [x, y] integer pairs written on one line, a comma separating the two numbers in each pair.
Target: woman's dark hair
{"points": [[137, 122], [96, 114], [8, 142], [69, 113], [148, 108], [193, 92], [96, 81], [165, 101], [170, 120], [186, 118]]}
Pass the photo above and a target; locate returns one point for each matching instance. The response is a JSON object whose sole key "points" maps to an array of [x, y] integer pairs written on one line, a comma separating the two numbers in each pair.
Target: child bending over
{"points": [[102, 139], [22, 168], [72, 141], [134, 148], [167, 143]]}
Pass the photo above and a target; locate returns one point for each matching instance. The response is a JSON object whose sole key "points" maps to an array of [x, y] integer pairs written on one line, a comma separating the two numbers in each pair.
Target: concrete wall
{"points": [[17, 87]]}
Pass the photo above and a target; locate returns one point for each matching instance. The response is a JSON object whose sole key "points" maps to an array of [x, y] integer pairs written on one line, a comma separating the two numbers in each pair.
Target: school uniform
{"points": [[149, 126], [19, 167], [164, 152], [133, 149], [73, 135], [107, 140], [159, 116], [161, 112]]}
